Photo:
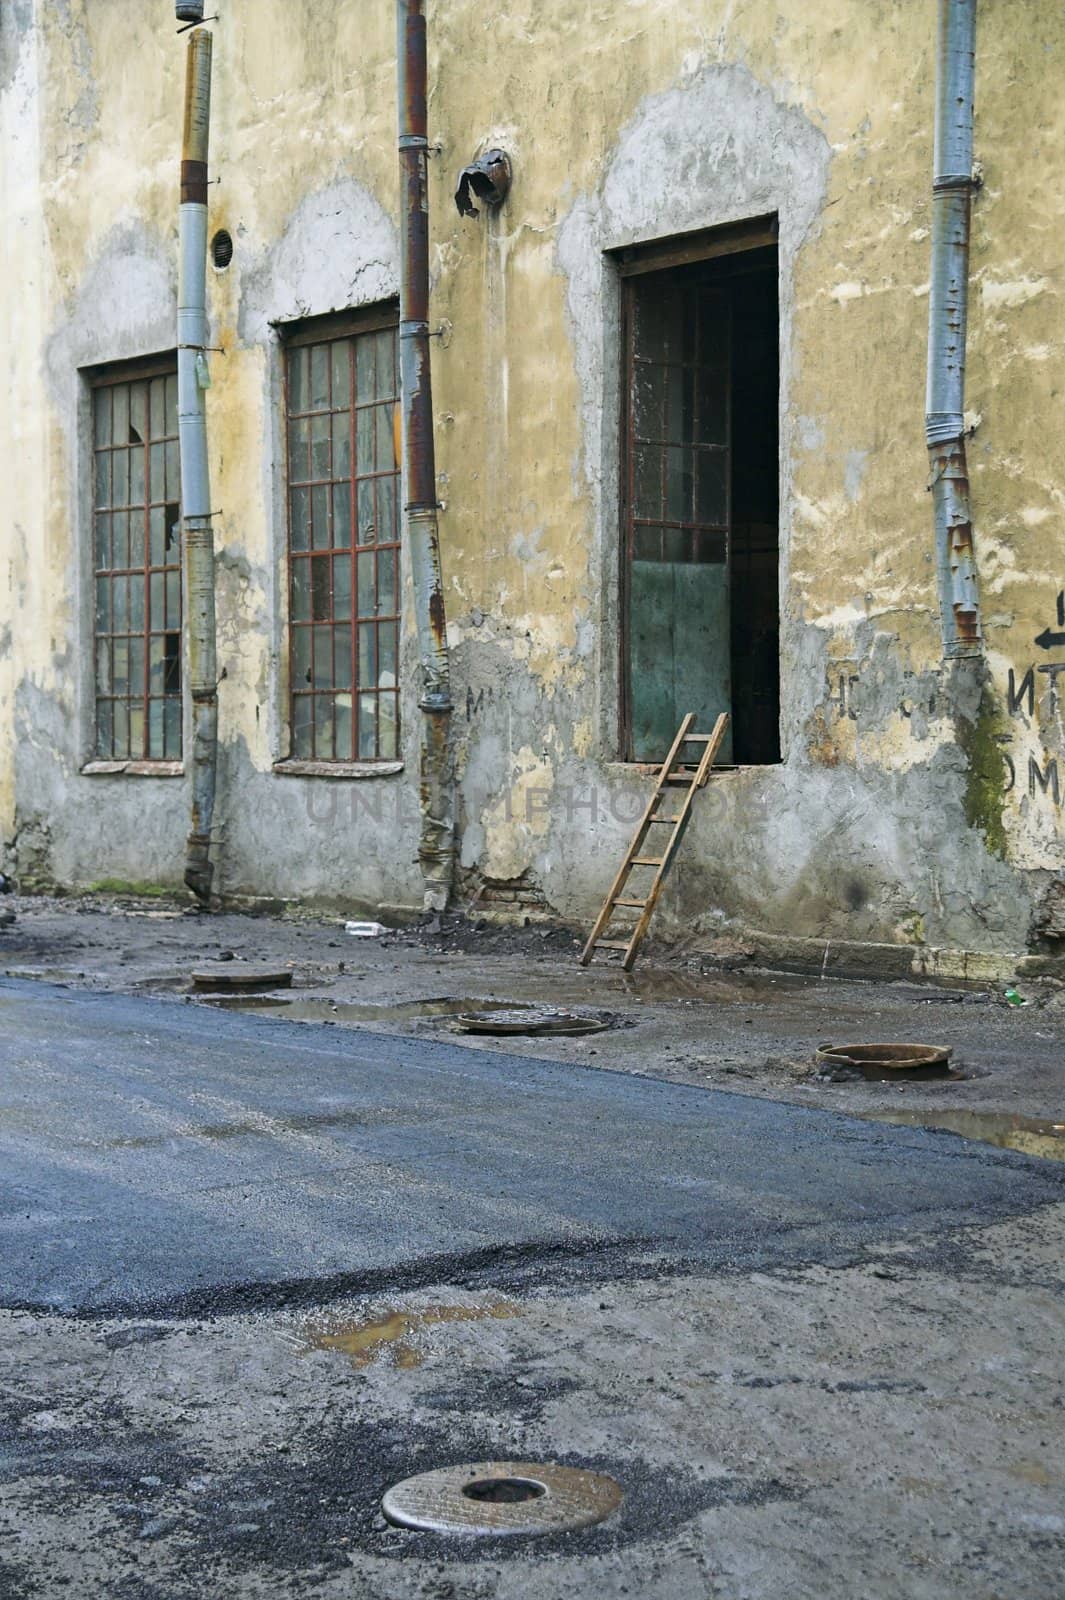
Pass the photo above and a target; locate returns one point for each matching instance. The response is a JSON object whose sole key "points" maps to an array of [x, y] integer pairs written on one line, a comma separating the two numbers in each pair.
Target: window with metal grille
{"points": [[343, 538], [137, 563]]}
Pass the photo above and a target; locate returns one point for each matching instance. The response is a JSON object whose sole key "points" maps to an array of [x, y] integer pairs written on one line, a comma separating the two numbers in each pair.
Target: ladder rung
{"points": [[677, 768]]}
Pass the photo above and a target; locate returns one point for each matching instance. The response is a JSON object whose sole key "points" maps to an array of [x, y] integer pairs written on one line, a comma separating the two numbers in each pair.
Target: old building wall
{"points": [[625, 125]]}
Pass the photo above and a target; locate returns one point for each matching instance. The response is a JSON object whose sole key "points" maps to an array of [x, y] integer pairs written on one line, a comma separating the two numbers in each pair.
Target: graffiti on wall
{"points": [[1034, 702]]}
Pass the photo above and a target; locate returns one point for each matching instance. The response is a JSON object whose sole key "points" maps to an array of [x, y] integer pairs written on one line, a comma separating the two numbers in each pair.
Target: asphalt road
{"points": [[164, 1157]]}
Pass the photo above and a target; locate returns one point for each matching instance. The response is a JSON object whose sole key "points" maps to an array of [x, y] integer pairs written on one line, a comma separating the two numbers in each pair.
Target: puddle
{"points": [[352, 1014], [1029, 1135], [939, 1072], [398, 1331]]}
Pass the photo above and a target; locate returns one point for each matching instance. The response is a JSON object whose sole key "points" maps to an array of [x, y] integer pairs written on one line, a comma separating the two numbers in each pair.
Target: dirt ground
{"points": [[886, 1425], [687, 1017]]}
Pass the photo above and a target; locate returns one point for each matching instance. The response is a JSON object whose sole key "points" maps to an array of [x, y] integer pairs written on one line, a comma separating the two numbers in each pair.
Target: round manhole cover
{"points": [[500, 1497], [528, 1019], [890, 1057], [240, 977]]}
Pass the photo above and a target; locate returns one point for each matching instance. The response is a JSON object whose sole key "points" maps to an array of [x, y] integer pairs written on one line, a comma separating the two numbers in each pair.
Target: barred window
{"points": [[137, 563], [343, 539]]}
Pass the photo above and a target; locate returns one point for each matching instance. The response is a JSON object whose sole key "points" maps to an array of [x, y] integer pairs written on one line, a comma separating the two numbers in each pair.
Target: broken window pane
{"points": [[156, 668], [172, 672], [138, 414], [120, 414]]}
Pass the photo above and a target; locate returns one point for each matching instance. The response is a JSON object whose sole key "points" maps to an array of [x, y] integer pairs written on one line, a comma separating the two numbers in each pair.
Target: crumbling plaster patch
{"points": [[339, 250], [16, 20]]}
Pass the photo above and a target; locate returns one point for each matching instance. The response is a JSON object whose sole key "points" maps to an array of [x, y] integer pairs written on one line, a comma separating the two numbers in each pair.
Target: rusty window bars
{"points": [[343, 491], [137, 562]]}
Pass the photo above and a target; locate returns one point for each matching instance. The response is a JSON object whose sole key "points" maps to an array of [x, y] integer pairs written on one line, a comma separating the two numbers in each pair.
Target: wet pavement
{"points": [[166, 1157]]}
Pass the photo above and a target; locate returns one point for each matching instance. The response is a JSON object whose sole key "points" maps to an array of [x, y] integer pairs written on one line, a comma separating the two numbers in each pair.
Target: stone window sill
{"points": [[337, 769], [133, 769]]}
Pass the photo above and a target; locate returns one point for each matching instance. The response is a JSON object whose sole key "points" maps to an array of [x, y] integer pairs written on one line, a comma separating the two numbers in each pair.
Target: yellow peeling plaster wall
{"points": [[623, 122]]}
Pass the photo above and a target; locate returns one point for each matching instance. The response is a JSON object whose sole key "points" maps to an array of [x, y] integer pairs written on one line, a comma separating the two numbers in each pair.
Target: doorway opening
{"points": [[699, 492]]}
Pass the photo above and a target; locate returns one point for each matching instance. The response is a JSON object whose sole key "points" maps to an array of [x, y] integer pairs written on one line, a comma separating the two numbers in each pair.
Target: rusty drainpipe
{"points": [[197, 537], [436, 848], [952, 190]]}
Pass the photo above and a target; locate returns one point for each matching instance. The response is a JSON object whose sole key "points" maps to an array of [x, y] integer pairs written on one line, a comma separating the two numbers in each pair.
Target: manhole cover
{"points": [[528, 1019], [501, 1497], [886, 1057], [238, 977]]}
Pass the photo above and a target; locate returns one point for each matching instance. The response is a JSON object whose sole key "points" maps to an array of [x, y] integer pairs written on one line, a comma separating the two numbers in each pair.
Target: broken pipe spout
{"points": [[197, 537], [952, 190], [436, 848]]}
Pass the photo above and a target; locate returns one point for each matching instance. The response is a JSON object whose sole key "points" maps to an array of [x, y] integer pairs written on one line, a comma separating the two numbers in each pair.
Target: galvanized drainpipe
{"points": [[197, 537], [952, 190], [436, 848]]}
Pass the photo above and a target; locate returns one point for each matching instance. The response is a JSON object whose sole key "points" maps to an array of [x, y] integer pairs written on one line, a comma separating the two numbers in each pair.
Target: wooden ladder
{"points": [[692, 779]]}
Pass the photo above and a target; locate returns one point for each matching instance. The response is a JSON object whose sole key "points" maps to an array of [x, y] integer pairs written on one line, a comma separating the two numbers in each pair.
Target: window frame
{"points": [[109, 376], [324, 330], [631, 262]]}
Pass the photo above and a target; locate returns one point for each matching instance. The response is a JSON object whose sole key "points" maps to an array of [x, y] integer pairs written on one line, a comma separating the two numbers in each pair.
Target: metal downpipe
{"points": [[436, 847], [197, 536], [952, 190]]}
